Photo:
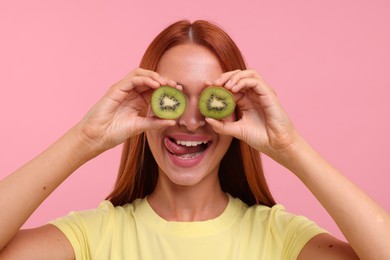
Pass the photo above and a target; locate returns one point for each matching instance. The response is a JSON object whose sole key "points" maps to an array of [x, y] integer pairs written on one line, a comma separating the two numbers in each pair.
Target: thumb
{"points": [[222, 127], [149, 123]]}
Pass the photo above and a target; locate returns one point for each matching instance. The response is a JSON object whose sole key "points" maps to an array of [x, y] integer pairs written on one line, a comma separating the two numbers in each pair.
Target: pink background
{"points": [[328, 61]]}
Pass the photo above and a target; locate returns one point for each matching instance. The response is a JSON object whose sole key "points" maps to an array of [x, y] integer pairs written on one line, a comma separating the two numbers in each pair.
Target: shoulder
{"points": [[107, 208], [283, 231], [96, 230], [281, 222], [91, 222], [269, 214], [276, 215], [105, 211], [258, 210]]}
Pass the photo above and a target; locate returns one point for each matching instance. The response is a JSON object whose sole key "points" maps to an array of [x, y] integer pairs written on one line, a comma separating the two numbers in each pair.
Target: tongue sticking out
{"points": [[178, 149]]}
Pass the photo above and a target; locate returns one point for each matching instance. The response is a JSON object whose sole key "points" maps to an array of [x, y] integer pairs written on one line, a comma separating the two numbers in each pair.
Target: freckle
{"points": [[319, 246], [44, 187], [330, 245]]}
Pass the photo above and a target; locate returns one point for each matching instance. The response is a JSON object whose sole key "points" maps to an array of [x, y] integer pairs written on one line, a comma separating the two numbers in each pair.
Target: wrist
{"points": [[286, 149], [302, 160], [294, 154], [83, 149]]}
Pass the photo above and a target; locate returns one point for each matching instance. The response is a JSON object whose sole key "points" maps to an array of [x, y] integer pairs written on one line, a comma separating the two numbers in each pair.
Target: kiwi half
{"points": [[168, 102], [216, 102]]}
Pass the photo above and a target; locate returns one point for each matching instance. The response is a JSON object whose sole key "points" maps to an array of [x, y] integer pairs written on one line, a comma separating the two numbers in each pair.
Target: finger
{"points": [[141, 84], [209, 83], [244, 101], [141, 79], [258, 85], [244, 84], [179, 87], [223, 78], [153, 123], [236, 77], [147, 84], [151, 74], [238, 96], [223, 127], [146, 95], [171, 83]]}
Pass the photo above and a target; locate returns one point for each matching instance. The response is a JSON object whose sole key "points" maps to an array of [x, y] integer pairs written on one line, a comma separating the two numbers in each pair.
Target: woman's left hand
{"points": [[264, 125]]}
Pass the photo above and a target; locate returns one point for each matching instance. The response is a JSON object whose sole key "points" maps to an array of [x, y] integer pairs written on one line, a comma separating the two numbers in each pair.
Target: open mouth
{"points": [[185, 149]]}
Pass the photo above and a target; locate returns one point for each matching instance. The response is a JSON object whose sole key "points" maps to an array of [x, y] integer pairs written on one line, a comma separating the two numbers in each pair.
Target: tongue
{"points": [[178, 149]]}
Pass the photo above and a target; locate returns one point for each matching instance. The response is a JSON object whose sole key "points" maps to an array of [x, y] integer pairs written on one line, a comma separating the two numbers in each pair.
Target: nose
{"points": [[192, 119]]}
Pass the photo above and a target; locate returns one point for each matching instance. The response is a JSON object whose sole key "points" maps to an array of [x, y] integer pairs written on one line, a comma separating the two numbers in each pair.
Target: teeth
{"points": [[190, 143], [189, 156]]}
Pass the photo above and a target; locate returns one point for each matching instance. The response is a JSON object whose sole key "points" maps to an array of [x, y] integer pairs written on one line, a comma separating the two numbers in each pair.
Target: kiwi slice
{"points": [[168, 102], [216, 102]]}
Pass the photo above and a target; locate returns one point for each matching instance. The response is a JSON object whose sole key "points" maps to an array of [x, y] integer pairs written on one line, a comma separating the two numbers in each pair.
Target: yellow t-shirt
{"points": [[135, 231]]}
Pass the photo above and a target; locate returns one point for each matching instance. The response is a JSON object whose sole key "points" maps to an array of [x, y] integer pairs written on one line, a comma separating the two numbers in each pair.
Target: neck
{"points": [[200, 202]]}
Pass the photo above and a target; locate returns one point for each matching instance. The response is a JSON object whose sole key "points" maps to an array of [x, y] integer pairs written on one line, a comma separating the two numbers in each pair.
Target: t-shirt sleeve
{"points": [[85, 229], [294, 231]]}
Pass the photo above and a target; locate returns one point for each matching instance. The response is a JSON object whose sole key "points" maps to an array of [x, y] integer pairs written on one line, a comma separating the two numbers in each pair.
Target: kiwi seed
{"points": [[168, 102], [216, 102]]}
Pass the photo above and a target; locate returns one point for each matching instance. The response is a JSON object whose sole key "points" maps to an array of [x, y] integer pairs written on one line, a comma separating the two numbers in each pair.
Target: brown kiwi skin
{"points": [[223, 95], [168, 112]]}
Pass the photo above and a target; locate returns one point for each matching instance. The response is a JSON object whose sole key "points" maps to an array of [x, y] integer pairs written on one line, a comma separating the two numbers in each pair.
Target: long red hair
{"points": [[240, 173]]}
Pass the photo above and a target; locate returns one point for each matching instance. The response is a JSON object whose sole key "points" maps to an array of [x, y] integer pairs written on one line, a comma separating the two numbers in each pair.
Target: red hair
{"points": [[240, 172]]}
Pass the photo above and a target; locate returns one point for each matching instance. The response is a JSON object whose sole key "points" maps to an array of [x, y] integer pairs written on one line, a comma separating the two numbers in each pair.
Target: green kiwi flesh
{"points": [[168, 102], [216, 102]]}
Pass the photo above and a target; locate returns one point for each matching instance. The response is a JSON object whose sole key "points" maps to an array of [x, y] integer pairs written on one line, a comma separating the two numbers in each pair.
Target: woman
{"points": [[189, 188]]}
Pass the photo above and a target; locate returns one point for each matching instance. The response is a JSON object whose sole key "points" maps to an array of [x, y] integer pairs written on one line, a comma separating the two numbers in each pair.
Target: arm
{"points": [[115, 118], [266, 127], [362, 221], [24, 190], [46, 242]]}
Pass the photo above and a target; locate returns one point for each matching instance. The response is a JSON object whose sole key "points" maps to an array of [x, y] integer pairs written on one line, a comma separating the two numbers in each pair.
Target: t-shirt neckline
{"points": [[149, 217]]}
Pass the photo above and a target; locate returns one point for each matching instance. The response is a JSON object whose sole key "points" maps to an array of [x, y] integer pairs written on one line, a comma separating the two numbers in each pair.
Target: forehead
{"points": [[189, 64]]}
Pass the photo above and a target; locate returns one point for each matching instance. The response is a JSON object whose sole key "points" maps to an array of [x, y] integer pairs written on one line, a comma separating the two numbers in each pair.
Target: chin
{"points": [[187, 178]]}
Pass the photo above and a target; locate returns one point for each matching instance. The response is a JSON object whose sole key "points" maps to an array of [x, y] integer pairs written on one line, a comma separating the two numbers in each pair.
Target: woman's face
{"points": [[189, 152]]}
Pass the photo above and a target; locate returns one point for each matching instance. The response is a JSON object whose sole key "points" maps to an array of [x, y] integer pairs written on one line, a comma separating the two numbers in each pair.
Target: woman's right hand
{"points": [[116, 117]]}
